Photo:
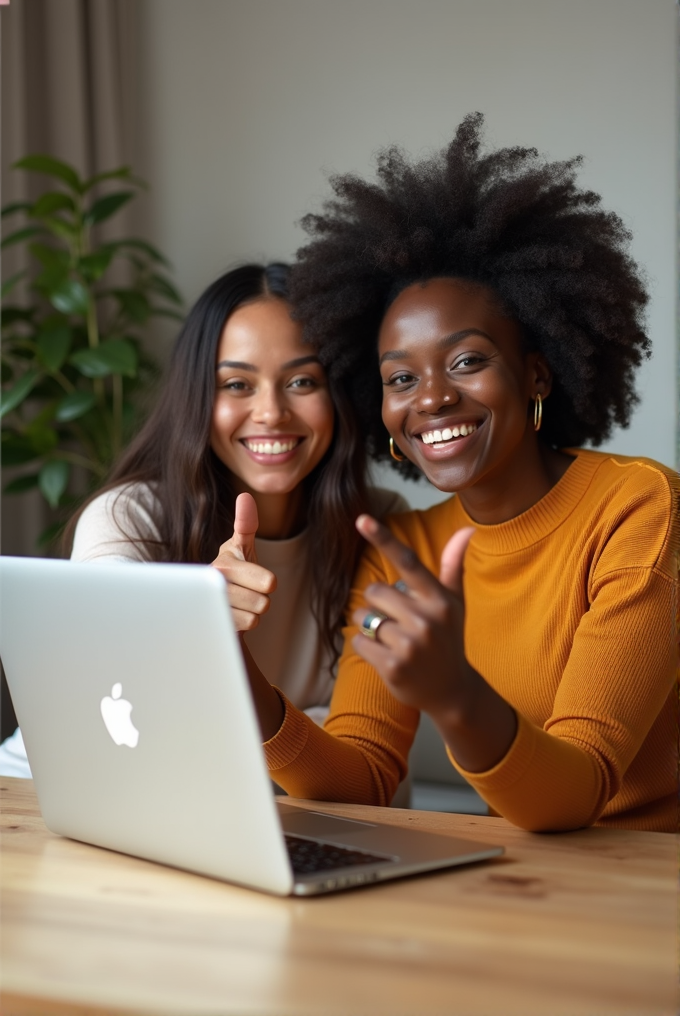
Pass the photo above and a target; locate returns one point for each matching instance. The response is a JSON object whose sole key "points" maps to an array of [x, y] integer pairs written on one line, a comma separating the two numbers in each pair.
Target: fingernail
{"points": [[368, 524]]}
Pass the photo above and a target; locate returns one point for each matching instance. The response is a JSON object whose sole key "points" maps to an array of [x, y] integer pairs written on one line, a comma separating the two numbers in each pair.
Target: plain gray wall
{"points": [[246, 107]]}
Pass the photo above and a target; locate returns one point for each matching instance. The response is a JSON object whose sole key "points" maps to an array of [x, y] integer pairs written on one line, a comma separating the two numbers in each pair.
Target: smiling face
{"points": [[272, 419], [457, 387]]}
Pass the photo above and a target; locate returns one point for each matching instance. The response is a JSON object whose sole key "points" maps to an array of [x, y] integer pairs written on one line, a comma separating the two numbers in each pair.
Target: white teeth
{"points": [[449, 433], [271, 448]]}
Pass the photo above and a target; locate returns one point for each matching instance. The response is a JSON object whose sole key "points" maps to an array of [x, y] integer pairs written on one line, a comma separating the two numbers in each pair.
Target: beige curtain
{"points": [[68, 90]]}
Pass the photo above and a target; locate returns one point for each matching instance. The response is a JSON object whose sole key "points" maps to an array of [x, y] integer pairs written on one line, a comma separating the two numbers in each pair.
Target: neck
{"points": [[516, 485], [280, 516]]}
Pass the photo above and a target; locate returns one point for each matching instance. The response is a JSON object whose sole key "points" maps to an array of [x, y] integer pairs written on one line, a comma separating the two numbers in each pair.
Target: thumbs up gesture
{"points": [[249, 584]]}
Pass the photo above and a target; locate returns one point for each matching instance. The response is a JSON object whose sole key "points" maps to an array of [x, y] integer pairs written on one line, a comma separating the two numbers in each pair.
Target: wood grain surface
{"points": [[578, 924]]}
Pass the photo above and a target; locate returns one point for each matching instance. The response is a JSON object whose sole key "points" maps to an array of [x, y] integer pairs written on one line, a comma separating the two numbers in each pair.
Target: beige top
{"points": [[286, 645]]}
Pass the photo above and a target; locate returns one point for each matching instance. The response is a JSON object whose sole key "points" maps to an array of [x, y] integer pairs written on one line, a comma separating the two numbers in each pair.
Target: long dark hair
{"points": [[194, 492]]}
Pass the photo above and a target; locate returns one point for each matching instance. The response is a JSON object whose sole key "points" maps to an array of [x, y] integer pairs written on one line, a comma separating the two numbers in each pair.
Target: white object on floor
{"points": [[13, 760]]}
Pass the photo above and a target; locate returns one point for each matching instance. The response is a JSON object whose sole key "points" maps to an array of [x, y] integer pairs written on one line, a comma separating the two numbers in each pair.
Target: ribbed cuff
{"points": [[290, 739], [511, 768]]}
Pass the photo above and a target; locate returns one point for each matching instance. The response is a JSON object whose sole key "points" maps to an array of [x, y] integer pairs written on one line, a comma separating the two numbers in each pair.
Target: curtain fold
{"points": [[67, 90]]}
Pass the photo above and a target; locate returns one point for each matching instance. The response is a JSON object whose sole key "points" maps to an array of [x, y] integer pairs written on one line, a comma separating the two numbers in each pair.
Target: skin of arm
{"points": [[420, 654]]}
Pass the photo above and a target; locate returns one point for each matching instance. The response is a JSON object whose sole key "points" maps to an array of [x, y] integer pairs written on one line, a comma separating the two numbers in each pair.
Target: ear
{"points": [[539, 376]]}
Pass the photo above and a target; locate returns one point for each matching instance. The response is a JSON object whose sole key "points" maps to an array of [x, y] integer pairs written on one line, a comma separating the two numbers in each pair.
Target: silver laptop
{"points": [[134, 703]]}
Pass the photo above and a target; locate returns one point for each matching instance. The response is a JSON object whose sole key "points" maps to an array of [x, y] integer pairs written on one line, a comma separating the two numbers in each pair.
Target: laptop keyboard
{"points": [[309, 856]]}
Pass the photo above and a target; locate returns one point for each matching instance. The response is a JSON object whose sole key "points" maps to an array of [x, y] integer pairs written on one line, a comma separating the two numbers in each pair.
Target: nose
{"points": [[436, 393], [270, 407]]}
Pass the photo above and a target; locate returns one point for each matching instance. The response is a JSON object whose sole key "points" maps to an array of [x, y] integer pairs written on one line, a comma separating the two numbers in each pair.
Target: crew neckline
{"points": [[282, 551], [545, 516]]}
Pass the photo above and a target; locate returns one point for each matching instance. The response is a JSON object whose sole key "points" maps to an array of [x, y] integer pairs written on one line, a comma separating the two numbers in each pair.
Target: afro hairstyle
{"points": [[508, 220]]}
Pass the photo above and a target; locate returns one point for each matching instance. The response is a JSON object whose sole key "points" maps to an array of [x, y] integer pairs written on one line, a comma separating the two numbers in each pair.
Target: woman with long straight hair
{"points": [[250, 461]]}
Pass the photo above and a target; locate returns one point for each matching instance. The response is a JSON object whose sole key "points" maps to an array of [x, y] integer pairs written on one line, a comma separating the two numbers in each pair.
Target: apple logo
{"points": [[116, 715]]}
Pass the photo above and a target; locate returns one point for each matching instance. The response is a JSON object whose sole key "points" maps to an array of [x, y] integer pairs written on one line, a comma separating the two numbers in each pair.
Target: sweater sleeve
{"points": [[116, 526], [619, 676], [361, 755]]}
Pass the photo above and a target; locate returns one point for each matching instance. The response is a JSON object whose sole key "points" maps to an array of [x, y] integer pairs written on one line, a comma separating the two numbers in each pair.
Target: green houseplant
{"points": [[72, 358]]}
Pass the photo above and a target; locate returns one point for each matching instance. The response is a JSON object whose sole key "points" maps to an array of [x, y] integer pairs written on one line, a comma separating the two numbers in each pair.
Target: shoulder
{"points": [[113, 524], [640, 496], [425, 531], [384, 502]]}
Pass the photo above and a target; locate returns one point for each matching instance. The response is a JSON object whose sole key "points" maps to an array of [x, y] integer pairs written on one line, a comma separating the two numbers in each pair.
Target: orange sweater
{"points": [[571, 615]]}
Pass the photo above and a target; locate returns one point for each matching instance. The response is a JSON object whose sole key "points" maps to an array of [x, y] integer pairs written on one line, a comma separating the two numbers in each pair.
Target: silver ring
{"points": [[371, 623]]}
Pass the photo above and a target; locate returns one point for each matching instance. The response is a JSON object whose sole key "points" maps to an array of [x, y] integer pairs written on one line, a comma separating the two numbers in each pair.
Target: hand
{"points": [[249, 584], [419, 651]]}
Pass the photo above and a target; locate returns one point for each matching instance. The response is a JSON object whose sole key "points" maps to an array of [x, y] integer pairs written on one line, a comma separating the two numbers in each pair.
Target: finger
{"points": [[244, 573], [245, 525], [417, 577], [241, 598], [451, 565], [244, 620], [390, 634], [377, 655], [406, 617]]}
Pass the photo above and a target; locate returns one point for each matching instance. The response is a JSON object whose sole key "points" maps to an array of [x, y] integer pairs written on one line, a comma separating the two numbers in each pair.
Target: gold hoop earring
{"points": [[538, 412], [395, 456]]}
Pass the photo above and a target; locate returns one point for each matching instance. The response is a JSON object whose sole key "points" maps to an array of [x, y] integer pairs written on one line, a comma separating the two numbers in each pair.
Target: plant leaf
{"points": [[70, 297], [107, 206], [147, 248], [49, 256], [9, 284], [93, 266], [115, 356], [123, 172], [50, 202], [15, 206], [64, 230], [75, 405], [43, 438], [16, 449], [50, 534], [17, 394], [52, 480], [12, 314], [51, 167], [19, 236], [54, 345], [161, 285], [21, 484], [90, 363], [133, 303]]}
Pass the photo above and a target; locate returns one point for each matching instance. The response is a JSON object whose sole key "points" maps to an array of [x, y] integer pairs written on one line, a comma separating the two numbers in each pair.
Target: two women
{"points": [[491, 317], [252, 462]]}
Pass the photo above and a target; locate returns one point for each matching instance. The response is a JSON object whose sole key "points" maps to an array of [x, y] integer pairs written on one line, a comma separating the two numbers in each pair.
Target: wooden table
{"points": [[580, 924]]}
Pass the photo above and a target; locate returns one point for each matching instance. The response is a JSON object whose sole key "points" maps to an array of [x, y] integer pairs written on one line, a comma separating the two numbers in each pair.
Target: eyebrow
{"points": [[443, 343], [242, 365]]}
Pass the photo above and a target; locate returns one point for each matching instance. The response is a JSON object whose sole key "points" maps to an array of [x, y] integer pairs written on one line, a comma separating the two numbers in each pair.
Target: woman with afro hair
{"points": [[490, 316]]}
